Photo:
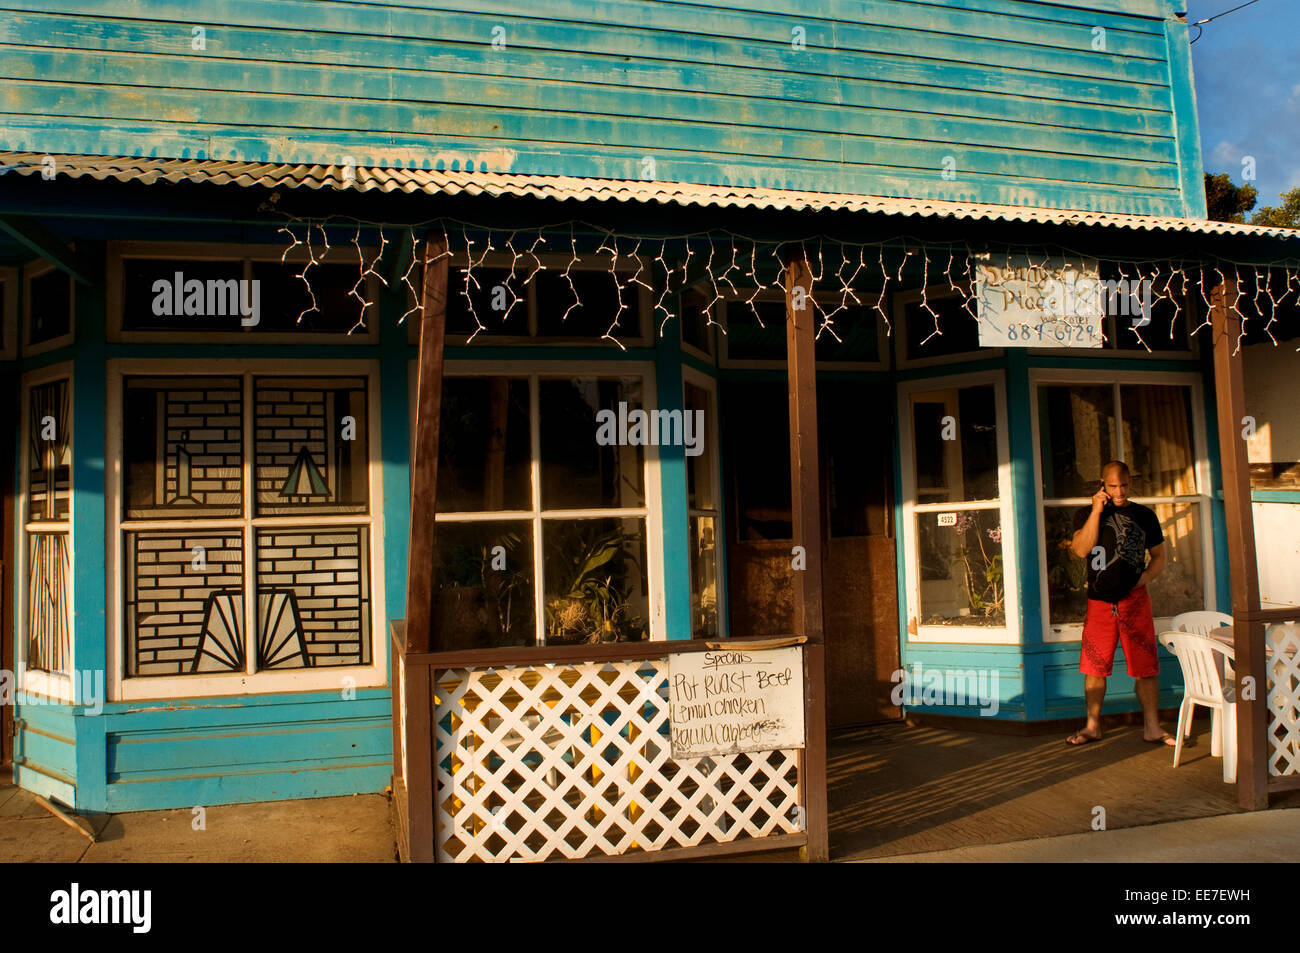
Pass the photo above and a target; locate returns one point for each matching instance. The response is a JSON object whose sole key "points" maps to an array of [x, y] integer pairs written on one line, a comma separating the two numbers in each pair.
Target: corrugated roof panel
{"points": [[247, 174]]}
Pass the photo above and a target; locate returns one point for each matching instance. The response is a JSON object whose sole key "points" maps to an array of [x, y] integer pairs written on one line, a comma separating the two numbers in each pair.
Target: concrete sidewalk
{"points": [[324, 830], [356, 829], [1261, 837]]}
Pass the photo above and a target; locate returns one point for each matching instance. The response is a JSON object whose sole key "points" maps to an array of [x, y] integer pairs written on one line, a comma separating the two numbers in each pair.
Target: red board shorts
{"points": [[1132, 625]]}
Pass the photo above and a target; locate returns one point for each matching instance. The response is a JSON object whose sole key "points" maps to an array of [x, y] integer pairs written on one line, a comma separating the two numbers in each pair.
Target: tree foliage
{"points": [[1286, 215], [1226, 202]]}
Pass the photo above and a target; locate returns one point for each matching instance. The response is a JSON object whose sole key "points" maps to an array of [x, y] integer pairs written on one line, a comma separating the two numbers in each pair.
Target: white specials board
{"points": [[732, 700], [1039, 302]]}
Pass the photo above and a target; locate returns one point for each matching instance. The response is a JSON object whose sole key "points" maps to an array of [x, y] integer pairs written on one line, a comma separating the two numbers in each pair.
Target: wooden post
{"points": [[1248, 629], [424, 477], [420, 553], [805, 492]]}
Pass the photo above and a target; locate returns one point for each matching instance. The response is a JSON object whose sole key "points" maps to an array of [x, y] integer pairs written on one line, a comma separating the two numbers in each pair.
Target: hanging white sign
{"points": [[731, 700], [1046, 302]]}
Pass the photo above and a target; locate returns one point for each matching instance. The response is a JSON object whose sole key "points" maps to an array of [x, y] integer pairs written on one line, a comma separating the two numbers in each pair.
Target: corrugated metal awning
{"points": [[276, 175]]}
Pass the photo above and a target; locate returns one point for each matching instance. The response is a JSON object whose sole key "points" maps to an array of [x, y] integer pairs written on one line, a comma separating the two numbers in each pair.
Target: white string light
{"points": [[417, 304], [668, 274], [618, 289], [925, 303], [295, 244], [884, 288], [573, 260], [1169, 280], [759, 287], [470, 265], [311, 260]]}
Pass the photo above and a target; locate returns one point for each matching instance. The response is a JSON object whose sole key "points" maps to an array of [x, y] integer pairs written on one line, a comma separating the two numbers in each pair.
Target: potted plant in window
{"points": [[584, 567], [983, 573]]}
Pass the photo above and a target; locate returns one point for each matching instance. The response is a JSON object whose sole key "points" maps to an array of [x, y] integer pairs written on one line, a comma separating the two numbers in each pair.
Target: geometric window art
{"points": [[183, 447], [48, 495], [309, 446], [313, 589], [48, 635], [49, 460], [184, 614], [246, 525]]}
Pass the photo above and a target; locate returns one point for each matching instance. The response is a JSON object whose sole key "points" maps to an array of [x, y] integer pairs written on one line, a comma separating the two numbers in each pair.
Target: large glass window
{"points": [[1151, 427], [959, 573], [541, 513], [246, 523]]}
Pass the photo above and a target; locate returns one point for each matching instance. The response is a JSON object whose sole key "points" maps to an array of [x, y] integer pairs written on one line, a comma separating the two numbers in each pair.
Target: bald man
{"points": [[1115, 536]]}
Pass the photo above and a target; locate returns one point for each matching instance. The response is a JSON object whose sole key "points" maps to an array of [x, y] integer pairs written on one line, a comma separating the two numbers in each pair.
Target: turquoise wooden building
{"points": [[209, 222]]}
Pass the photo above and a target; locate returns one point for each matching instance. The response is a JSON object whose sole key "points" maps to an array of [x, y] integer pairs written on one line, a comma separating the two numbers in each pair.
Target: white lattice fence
{"points": [[1284, 699], [573, 759]]}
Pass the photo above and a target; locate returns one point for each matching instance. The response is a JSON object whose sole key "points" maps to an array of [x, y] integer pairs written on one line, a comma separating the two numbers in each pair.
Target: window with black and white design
{"points": [[246, 525]]}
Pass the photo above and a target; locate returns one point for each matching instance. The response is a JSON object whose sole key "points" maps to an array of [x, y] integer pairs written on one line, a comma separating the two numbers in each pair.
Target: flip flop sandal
{"points": [[1087, 739]]}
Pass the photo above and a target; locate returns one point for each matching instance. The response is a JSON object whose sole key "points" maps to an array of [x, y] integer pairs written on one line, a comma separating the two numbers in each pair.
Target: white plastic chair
{"points": [[1204, 623], [1203, 685], [1200, 622]]}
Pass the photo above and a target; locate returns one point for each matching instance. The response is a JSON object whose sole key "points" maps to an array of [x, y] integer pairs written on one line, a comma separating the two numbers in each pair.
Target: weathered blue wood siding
{"points": [[224, 750], [1013, 93]]}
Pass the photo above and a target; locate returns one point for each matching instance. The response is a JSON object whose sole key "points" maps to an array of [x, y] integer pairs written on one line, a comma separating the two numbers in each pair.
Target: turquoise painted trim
{"points": [[673, 501], [1187, 127], [89, 518], [135, 757], [1038, 683], [948, 659], [233, 788], [1218, 515], [1275, 496], [228, 749], [1024, 498], [1054, 670], [395, 464], [48, 787], [46, 737], [172, 714]]}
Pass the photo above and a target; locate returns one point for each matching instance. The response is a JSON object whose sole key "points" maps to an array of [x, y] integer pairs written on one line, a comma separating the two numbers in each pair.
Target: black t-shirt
{"points": [[1126, 533]]}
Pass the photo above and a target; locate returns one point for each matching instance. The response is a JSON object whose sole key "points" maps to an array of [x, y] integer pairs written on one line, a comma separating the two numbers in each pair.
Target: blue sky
{"points": [[1247, 69]]}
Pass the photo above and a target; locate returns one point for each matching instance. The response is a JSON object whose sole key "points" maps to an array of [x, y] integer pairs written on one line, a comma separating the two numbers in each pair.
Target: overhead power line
{"points": [[1198, 23]]}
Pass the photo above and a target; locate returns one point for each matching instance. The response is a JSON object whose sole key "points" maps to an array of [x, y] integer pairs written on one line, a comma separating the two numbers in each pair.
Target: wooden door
{"points": [[860, 581]]}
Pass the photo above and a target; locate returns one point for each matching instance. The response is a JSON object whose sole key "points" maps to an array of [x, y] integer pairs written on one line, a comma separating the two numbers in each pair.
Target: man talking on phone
{"points": [[1114, 535]]}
